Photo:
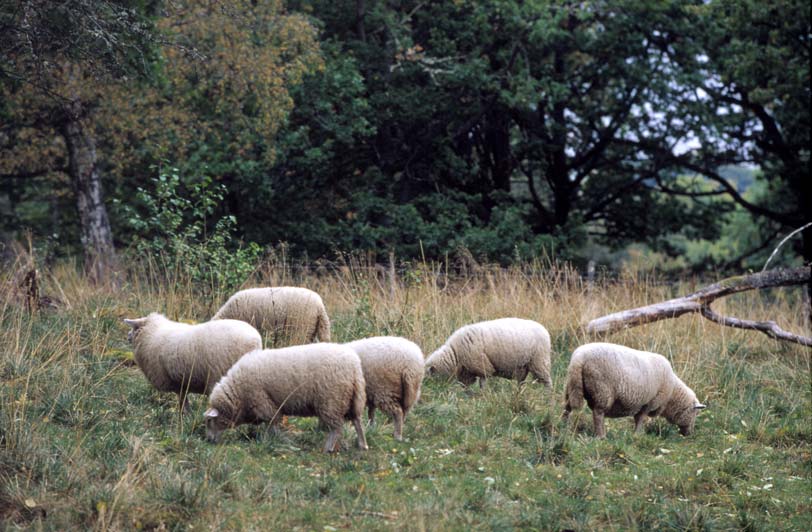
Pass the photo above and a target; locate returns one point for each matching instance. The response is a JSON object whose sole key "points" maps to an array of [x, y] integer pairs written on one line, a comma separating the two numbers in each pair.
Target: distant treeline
{"points": [[676, 132]]}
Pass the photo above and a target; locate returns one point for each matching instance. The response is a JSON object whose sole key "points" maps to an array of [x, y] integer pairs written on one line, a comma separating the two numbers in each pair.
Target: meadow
{"points": [[86, 443]]}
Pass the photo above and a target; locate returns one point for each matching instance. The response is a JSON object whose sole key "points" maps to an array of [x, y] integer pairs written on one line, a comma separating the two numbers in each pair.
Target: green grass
{"points": [[85, 442]]}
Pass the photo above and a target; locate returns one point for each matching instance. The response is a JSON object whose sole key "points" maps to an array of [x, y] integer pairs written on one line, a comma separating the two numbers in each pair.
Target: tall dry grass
{"points": [[85, 442]]}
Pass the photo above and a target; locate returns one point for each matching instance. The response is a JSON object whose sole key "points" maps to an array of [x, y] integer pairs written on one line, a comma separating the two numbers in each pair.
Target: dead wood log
{"points": [[700, 301]]}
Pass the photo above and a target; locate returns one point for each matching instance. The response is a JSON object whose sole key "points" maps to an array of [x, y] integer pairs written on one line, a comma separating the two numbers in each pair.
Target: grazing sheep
{"points": [[508, 347], [618, 381], [393, 371], [286, 315], [322, 380], [182, 358]]}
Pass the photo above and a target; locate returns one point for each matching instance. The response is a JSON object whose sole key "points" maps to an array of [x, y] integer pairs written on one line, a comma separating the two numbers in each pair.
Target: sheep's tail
{"points": [[359, 398], [574, 394], [410, 383], [323, 325]]}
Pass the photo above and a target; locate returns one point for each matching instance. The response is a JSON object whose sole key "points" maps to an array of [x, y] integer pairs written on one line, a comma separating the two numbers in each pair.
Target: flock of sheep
{"points": [[224, 359]]}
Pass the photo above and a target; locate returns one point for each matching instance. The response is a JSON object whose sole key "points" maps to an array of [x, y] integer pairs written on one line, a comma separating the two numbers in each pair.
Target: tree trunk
{"points": [[806, 252], [96, 235], [360, 13]]}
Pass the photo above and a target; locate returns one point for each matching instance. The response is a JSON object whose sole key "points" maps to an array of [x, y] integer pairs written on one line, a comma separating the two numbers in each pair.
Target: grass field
{"points": [[86, 443]]}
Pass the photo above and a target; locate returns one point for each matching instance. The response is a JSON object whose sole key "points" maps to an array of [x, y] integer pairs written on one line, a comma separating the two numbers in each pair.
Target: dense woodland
{"points": [[506, 130]]}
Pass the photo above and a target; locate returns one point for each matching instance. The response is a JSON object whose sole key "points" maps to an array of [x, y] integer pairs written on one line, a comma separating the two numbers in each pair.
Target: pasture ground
{"points": [[85, 442]]}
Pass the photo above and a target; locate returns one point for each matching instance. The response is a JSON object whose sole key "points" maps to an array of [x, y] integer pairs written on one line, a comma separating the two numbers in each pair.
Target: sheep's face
{"points": [[436, 364], [434, 370], [215, 425], [686, 419], [135, 328]]}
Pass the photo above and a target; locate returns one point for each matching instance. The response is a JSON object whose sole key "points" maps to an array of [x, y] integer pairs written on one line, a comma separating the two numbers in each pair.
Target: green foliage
{"points": [[509, 128], [178, 224]]}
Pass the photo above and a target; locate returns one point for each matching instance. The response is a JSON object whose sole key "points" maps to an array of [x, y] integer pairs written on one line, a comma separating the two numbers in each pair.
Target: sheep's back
{"points": [[506, 342], [386, 361], [286, 309], [635, 377], [202, 353], [386, 354], [302, 378]]}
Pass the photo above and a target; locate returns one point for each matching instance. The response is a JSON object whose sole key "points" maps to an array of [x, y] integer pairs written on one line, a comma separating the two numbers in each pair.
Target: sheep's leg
{"points": [[371, 415], [481, 383], [331, 445], [399, 424], [639, 418], [567, 410], [359, 431], [597, 421], [276, 424], [466, 378]]}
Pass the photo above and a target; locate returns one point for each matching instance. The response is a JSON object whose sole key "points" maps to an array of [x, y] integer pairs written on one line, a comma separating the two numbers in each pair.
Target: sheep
{"points": [[288, 315], [393, 371], [508, 347], [323, 380], [618, 381], [183, 358]]}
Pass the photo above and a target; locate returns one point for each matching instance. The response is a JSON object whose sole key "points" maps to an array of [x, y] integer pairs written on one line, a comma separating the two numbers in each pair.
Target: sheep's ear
{"points": [[211, 412], [135, 323], [700, 406]]}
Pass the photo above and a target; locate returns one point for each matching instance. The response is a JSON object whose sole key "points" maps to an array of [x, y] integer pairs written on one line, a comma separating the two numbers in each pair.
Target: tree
{"points": [[216, 94], [745, 69], [221, 98], [473, 98], [53, 57]]}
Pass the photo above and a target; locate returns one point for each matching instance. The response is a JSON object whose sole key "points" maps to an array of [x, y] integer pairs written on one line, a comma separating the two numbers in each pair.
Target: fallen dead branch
{"points": [[700, 301]]}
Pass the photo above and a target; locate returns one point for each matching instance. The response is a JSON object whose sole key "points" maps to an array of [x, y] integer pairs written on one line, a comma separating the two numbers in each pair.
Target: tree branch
{"points": [[33, 174], [770, 328], [700, 300]]}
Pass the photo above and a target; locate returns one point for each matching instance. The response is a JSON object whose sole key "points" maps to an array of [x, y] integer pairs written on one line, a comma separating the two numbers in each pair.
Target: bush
{"points": [[179, 226]]}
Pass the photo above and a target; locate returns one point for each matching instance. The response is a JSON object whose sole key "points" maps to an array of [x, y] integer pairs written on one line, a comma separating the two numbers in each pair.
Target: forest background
{"points": [[669, 131]]}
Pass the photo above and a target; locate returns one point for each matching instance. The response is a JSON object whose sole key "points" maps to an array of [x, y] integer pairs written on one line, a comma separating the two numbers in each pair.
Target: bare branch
{"points": [[700, 300], [770, 328], [783, 242]]}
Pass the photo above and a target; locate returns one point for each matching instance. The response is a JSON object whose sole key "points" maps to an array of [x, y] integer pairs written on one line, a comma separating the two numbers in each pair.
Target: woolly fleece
{"points": [[285, 315], [618, 381], [323, 380], [182, 358], [393, 371], [508, 347]]}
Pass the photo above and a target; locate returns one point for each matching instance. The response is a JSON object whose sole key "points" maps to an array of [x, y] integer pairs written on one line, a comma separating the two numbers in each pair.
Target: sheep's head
{"points": [[438, 363], [136, 326], [216, 423], [682, 408], [686, 419]]}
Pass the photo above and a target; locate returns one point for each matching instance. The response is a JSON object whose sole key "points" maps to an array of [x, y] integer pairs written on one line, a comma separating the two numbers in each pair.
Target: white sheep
{"points": [[393, 371], [323, 380], [286, 315], [182, 358], [508, 347], [618, 381]]}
